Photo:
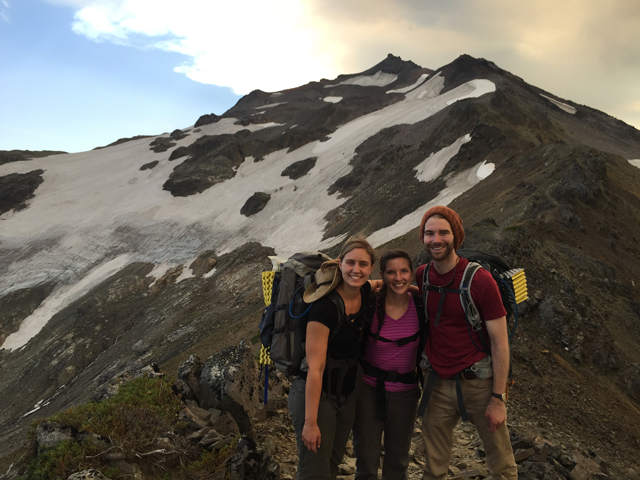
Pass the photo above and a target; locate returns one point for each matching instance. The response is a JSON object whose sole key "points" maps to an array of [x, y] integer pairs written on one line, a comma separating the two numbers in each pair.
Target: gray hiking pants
{"points": [[398, 429], [335, 424]]}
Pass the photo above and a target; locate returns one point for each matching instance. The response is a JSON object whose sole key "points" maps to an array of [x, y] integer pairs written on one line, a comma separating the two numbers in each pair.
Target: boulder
{"points": [[223, 422], [188, 382], [250, 463], [49, 434], [91, 473], [229, 382]]}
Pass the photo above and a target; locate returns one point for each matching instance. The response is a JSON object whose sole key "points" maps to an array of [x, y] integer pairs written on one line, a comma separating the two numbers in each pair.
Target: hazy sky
{"points": [[76, 74]]}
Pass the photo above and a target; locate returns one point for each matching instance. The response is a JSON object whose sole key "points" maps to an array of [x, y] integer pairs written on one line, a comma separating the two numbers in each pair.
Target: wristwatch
{"points": [[501, 396]]}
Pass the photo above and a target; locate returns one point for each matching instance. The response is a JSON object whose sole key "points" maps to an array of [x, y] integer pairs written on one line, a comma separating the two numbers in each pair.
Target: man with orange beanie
{"points": [[461, 379]]}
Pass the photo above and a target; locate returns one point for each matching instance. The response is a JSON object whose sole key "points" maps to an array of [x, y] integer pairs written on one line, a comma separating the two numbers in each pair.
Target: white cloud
{"points": [[242, 45], [4, 11], [574, 49]]}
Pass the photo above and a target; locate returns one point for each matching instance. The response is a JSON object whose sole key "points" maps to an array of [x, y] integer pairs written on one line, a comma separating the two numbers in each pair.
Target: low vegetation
{"points": [[138, 425]]}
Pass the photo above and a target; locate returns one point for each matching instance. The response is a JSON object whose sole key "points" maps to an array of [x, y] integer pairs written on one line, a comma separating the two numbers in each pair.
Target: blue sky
{"points": [[77, 74], [61, 91]]}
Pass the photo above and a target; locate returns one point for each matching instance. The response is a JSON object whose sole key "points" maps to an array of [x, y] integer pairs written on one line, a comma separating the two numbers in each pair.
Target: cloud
{"points": [[575, 46], [4, 11]]}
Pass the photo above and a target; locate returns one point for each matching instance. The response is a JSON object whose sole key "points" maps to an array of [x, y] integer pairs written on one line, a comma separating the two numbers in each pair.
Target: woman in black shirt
{"points": [[322, 399]]}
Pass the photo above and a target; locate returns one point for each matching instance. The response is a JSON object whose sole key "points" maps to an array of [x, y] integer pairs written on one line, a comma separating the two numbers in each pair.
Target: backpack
{"points": [[280, 326], [511, 283]]}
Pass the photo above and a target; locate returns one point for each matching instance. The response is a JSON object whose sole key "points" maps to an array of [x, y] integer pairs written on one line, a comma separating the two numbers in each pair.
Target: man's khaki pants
{"points": [[441, 417]]}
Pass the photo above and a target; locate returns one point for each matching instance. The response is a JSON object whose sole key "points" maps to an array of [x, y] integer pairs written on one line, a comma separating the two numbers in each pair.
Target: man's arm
{"points": [[496, 411]]}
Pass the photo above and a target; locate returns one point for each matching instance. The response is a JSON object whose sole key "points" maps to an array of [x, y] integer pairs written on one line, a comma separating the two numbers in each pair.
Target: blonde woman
{"points": [[322, 400]]}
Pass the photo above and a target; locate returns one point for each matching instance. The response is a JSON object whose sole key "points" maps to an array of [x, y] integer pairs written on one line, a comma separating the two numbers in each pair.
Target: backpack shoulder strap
{"points": [[468, 305], [425, 289], [342, 314], [474, 322]]}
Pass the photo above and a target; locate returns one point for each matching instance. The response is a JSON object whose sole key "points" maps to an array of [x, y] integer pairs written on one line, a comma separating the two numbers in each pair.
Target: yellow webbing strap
{"points": [[267, 285], [265, 359]]}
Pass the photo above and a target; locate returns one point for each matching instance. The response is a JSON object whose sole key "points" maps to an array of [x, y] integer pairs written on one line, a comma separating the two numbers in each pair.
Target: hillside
{"points": [[150, 249]]}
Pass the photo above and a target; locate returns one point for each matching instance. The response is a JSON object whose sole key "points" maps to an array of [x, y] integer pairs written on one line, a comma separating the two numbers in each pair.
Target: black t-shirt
{"points": [[346, 343]]}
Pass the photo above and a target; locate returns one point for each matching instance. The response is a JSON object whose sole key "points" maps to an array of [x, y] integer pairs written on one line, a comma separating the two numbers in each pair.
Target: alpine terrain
{"points": [[151, 249]]}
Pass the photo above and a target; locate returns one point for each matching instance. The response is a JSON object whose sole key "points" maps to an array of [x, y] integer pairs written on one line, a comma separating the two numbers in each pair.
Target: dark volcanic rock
{"points": [[204, 263], [229, 382], [178, 134], [255, 204], [178, 153], [161, 144], [249, 462], [207, 119], [213, 160], [299, 168], [150, 165], [17, 188], [22, 155]]}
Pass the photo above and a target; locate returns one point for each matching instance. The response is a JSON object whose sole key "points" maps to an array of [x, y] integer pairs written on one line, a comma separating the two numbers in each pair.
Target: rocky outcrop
{"points": [[17, 188], [300, 168], [207, 119], [228, 382], [162, 144], [255, 204], [150, 165]]}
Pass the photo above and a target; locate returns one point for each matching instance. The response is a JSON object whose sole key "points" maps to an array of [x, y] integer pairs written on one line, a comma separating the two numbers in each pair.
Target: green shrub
{"points": [[140, 411], [60, 461], [211, 462]]}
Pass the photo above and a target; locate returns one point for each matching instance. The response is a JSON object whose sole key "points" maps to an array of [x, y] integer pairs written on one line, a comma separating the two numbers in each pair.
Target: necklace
{"points": [[455, 268]]}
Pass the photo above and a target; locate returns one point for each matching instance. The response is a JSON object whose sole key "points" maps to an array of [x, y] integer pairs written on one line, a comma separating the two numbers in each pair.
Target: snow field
{"points": [[96, 211]]}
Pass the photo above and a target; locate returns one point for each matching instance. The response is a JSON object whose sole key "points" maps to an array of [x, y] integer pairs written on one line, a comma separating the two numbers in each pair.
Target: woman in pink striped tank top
{"points": [[389, 397]]}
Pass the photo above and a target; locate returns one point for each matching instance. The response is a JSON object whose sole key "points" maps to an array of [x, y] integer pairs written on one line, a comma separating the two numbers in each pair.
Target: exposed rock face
{"points": [[255, 204], [213, 160], [150, 165], [207, 119], [162, 144], [229, 382], [299, 168], [17, 188], [22, 155], [179, 153]]}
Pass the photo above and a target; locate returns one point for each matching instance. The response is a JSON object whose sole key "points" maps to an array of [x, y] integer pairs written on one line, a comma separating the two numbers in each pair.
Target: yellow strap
{"points": [[265, 358], [267, 286]]}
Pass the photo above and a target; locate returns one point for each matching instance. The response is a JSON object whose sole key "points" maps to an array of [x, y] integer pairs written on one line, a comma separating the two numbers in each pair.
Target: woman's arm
{"points": [[316, 351]]}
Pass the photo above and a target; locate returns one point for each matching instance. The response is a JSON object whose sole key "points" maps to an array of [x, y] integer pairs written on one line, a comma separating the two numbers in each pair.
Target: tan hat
{"points": [[326, 280]]}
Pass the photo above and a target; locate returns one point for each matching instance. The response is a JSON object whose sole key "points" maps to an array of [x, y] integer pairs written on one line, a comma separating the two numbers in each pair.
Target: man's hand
{"points": [[311, 436], [496, 413]]}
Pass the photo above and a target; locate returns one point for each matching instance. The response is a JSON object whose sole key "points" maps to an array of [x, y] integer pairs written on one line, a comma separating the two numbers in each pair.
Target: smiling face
{"points": [[438, 238], [356, 266], [397, 275]]}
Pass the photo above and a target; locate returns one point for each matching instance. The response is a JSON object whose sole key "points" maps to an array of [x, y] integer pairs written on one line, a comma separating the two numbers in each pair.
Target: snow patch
{"points": [[378, 79], [332, 99], [473, 89], [270, 105], [456, 185], [635, 163], [485, 170], [418, 82], [210, 273], [560, 105], [432, 167], [31, 325]]}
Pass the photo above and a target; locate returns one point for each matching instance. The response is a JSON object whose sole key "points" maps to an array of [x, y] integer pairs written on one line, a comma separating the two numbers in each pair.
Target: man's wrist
{"points": [[500, 396]]}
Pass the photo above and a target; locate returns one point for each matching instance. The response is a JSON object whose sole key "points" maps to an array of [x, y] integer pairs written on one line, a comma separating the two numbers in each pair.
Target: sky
{"points": [[77, 74]]}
